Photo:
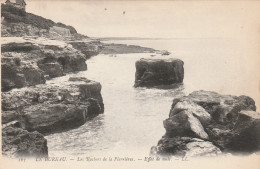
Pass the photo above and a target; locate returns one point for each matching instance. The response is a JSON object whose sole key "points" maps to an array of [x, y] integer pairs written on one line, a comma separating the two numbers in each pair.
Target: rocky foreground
{"points": [[32, 107], [33, 51], [206, 123], [54, 107]]}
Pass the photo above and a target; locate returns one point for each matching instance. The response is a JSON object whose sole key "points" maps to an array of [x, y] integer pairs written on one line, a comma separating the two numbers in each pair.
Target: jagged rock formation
{"points": [[17, 142], [34, 50], [30, 62], [44, 108], [54, 107], [155, 72], [206, 123]]}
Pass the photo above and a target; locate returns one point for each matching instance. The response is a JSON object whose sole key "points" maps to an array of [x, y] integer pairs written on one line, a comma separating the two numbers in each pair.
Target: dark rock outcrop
{"points": [[221, 122], [16, 73], [184, 124], [19, 47], [29, 64], [9, 116], [52, 69], [54, 107], [223, 108], [17, 142], [155, 72], [246, 132]]}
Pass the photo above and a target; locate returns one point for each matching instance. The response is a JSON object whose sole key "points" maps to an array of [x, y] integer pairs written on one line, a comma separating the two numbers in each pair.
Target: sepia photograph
{"points": [[127, 83]]}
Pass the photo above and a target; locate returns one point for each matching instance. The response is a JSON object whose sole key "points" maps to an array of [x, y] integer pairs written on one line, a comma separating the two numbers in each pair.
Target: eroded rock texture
{"points": [[17, 142], [206, 123], [54, 107], [155, 72], [33, 62]]}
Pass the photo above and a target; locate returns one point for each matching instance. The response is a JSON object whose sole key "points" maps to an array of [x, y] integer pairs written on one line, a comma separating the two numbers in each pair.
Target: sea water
{"points": [[133, 118]]}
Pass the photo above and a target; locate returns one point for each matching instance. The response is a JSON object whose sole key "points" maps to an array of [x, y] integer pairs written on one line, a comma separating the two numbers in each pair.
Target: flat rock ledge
{"points": [[156, 72], [206, 123], [33, 62], [53, 107]]}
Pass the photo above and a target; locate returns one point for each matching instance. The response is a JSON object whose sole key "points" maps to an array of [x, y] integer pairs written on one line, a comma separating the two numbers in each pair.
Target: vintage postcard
{"points": [[105, 84]]}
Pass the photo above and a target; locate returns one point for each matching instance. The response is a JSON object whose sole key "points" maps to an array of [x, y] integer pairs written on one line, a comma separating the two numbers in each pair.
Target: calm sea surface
{"points": [[133, 117]]}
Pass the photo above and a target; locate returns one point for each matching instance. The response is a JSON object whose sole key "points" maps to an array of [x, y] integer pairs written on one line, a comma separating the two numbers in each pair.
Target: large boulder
{"points": [[17, 142], [184, 124], [242, 137], [230, 123], [69, 59], [188, 105], [72, 62], [223, 108], [155, 72], [54, 107]]}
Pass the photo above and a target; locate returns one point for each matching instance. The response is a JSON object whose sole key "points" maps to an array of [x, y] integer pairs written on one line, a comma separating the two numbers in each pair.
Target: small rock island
{"points": [[155, 72]]}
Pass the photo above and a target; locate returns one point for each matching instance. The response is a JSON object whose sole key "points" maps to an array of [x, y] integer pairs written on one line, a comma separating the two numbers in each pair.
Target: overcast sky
{"points": [[199, 19]]}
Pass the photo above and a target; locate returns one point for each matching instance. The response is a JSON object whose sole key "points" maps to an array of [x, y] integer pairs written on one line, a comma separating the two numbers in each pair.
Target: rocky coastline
{"points": [[38, 108], [206, 123], [35, 50]]}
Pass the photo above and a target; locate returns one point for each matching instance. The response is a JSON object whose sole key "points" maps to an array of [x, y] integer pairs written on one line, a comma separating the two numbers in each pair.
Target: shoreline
{"points": [[42, 50]]}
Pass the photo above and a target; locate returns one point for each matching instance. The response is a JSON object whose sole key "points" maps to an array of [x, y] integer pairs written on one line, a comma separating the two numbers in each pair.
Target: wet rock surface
{"points": [[205, 123], [156, 72]]}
